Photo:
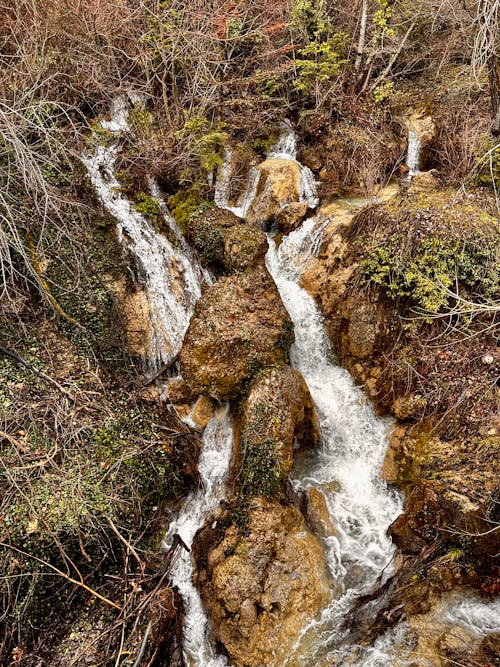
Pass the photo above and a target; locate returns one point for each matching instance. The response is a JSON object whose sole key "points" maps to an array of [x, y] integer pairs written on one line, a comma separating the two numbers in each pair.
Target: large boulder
{"points": [[278, 417], [244, 246], [239, 326], [225, 242], [261, 587], [278, 185]]}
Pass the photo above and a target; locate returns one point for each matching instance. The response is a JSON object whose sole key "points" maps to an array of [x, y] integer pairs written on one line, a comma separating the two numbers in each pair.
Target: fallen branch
{"points": [[64, 576], [18, 359]]}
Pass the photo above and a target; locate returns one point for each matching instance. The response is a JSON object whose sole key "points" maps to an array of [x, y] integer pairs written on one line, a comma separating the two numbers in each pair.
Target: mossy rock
{"points": [[239, 326]]}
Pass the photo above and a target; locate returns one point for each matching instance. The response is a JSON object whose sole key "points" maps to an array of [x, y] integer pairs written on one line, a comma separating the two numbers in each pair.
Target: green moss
{"points": [[149, 207], [260, 471], [425, 255]]}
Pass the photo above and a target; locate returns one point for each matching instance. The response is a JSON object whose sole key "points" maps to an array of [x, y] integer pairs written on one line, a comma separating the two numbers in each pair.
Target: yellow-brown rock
{"points": [[203, 411], [261, 588], [244, 246], [318, 514], [424, 182], [278, 185], [291, 216], [278, 417], [135, 311], [239, 326]]}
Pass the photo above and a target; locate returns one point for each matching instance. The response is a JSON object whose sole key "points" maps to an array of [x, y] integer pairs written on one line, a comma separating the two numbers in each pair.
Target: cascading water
{"points": [[170, 276], [413, 154], [347, 465], [285, 148], [213, 466]]}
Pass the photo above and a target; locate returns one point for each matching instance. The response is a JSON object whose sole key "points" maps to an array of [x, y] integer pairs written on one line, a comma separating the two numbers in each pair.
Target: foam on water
{"points": [[213, 466], [170, 276], [353, 444], [413, 154]]}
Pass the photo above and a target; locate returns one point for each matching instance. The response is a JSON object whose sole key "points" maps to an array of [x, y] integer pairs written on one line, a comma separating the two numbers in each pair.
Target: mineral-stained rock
{"points": [[260, 588], [317, 513], [424, 181], [290, 216], [239, 325], [278, 185], [244, 246], [278, 416], [207, 233], [178, 391], [202, 411]]}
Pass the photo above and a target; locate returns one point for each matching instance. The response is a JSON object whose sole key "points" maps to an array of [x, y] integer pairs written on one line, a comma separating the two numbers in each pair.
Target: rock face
{"points": [[290, 216], [238, 326], [134, 309], [357, 327], [244, 246], [262, 587], [225, 242], [278, 185], [278, 417]]}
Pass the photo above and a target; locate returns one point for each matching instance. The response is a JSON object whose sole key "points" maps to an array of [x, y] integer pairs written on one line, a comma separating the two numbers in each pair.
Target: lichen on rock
{"points": [[261, 588], [239, 326], [278, 417]]}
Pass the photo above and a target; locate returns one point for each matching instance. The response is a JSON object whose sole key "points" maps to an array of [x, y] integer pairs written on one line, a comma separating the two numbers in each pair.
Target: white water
{"points": [[347, 465], [285, 148], [170, 276], [413, 154], [478, 617], [213, 466]]}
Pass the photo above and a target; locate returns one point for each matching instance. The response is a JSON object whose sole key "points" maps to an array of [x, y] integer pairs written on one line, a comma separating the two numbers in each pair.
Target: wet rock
{"points": [[278, 417], [244, 246], [260, 588], [239, 326], [203, 411], [424, 182], [318, 514], [291, 216], [207, 233], [278, 185], [135, 311], [178, 391]]}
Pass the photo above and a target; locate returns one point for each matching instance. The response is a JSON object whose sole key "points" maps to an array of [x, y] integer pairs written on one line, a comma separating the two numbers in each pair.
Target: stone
{"points": [[203, 411], [318, 514], [278, 185], [278, 412], [239, 326], [290, 216], [244, 246], [262, 587], [178, 391], [135, 311], [207, 233], [424, 182]]}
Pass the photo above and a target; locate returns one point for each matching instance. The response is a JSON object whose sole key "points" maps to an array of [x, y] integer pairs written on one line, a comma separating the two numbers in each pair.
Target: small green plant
{"points": [[149, 207], [320, 62], [383, 91], [203, 140]]}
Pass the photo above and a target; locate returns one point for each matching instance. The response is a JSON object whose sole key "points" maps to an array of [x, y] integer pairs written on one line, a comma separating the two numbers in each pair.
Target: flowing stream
{"points": [[170, 276], [213, 466], [347, 464], [413, 154]]}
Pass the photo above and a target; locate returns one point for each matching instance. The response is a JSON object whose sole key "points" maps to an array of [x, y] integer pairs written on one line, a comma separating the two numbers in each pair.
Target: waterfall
{"points": [[285, 148], [170, 276], [213, 466], [413, 154], [347, 465]]}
